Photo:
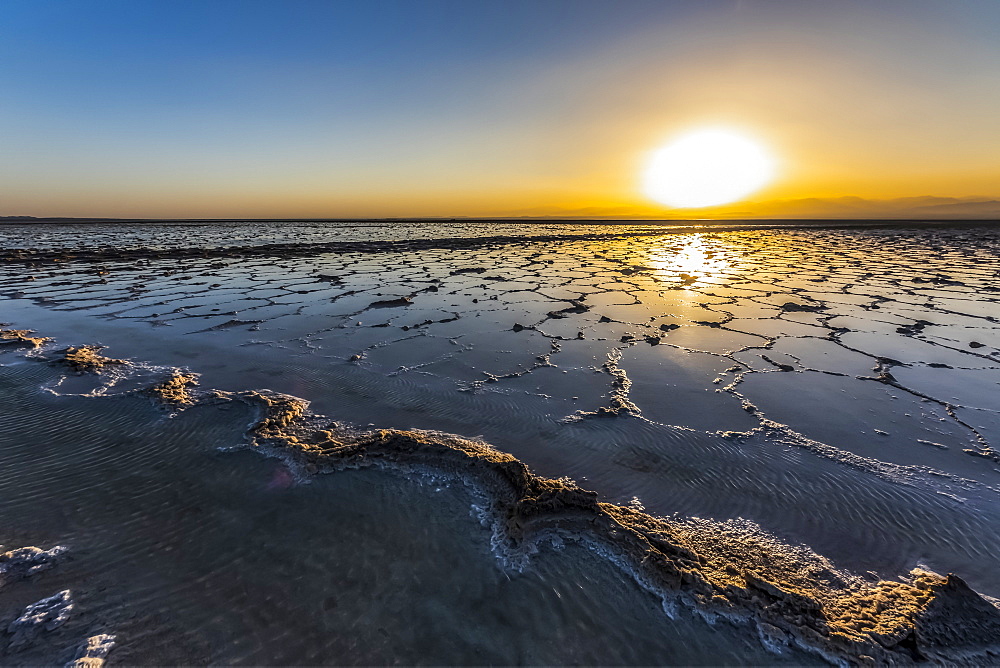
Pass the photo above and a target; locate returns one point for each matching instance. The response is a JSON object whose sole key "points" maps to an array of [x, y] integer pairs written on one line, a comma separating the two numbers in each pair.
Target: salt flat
{"points": [[828, 388]]}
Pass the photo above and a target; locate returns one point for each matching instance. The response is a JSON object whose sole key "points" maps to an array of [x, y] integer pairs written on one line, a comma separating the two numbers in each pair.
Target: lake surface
{"points": [[833, 394]]}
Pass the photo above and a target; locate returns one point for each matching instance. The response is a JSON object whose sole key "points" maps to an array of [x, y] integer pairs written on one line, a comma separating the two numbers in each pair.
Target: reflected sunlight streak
{"points": [[692, 257]]}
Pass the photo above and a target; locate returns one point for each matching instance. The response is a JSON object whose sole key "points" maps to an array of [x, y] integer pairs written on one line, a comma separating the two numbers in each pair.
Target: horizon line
{"points": [[568, 219]]}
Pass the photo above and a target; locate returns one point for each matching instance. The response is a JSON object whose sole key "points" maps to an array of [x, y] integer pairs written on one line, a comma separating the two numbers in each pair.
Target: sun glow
{"points": [[705, 168]]}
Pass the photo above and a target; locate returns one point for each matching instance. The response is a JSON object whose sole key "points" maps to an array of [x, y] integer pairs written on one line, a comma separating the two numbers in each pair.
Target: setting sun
{"points": [[706, 168]]}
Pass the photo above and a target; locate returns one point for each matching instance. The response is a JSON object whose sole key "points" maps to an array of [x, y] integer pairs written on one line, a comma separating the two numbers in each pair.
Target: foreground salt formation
{"points": [[45, 615], [927, 617], [49, 613], [86, 358], [27, 561], [93, 651], [21, 337], [176, 390]]}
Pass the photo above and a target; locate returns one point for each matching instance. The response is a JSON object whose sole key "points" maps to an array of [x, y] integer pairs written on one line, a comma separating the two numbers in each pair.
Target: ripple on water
{"points": [[190, 555]]}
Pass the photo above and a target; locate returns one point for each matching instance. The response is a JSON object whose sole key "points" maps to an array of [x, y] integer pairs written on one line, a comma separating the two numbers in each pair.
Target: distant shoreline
{"points": [[296, 248], [838, 222]]}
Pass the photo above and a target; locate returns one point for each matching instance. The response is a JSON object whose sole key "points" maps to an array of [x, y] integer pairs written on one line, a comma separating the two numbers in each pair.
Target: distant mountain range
{"points": [[857, 207], [931, 208]]}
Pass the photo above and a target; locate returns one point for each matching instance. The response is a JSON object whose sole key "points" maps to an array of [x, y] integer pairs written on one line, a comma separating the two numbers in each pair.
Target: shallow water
{"points": [[821, 383], [228, 233], [192, 555]]}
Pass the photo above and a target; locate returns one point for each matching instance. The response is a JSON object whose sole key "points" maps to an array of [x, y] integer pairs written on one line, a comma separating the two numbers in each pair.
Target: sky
{"points": [[376, 108]]}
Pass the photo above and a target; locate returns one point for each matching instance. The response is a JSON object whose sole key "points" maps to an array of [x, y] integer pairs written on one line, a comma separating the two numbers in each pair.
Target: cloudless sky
{"points": [[292, 108]]}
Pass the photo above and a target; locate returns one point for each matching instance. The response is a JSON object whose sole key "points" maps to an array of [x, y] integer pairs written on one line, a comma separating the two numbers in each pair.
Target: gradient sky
{"points": [[296, 108]]}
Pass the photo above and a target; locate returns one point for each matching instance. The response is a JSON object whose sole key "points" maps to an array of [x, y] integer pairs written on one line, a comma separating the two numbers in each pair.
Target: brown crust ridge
{"points": [[87, 358], [22, 337], [175, 391], [928, 617]]}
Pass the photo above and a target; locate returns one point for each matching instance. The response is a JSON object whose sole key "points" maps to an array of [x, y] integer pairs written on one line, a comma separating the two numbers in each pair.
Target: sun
{"points": [[707, 167]]}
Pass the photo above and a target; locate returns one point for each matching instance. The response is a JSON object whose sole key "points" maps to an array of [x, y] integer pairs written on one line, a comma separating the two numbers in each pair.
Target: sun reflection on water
{"points": [[687, 257]]}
